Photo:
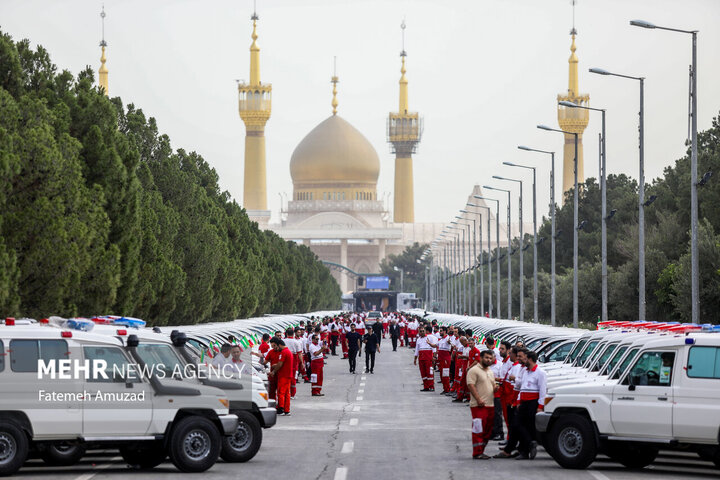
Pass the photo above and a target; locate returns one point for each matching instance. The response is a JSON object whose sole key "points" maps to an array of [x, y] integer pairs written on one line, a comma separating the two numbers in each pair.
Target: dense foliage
{"points": [[667, 247], [413, 265], [99, 215]]}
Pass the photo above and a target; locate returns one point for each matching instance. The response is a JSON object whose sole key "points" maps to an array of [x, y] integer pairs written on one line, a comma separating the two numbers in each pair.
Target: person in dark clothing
{"points": [[372, 345], [377, 329], [353, 340], [394, 334]]}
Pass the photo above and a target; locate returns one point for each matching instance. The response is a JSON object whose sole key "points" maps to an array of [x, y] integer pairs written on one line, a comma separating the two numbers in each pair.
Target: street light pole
{"points": [[477, 262], [472, 263], [575, 221], [552, 227], [535, 284], [522, 241], [509, 248], [603, 193], [641, 190], [695, 281], [497, 252]]}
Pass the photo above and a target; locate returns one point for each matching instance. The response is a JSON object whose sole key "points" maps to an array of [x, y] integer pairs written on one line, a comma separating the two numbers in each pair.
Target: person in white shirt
{"points": [[317, 360], [532, 399], [223, 358], [424, 351]]}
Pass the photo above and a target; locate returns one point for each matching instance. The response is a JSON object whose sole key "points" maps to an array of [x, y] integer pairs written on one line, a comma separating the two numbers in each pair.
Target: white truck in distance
{"points": [[663, 395]]}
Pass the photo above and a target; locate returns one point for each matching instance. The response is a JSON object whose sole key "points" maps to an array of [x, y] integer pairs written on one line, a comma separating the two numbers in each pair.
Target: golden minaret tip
{"points": [[103, 70], [334, 81]]}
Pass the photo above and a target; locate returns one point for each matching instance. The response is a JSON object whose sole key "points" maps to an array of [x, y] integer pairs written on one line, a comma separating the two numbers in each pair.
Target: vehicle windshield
{"points": [[604, 356], [560, 353], [533, 344], [624, 365], [548, 346], [586, 353], [162, 356], [575, 351], [614, 360]]}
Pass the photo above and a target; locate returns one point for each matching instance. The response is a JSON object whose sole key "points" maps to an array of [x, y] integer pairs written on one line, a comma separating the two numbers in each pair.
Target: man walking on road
{"points": [[394, 334], [353, 342], [372, 345], [482, 386]]}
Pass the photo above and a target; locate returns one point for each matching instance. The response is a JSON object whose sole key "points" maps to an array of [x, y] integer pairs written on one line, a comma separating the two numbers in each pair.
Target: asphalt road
{"points": [[375, 427]]}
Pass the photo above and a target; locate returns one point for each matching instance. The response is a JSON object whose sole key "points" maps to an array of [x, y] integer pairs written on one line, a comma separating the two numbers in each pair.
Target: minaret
{"points": [[103, 71], [404, 131], [255, 102], [573, 119], [334, 80]]}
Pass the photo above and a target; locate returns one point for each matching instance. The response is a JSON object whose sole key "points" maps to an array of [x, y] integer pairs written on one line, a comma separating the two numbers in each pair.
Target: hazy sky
{"points": [[482, 73]]}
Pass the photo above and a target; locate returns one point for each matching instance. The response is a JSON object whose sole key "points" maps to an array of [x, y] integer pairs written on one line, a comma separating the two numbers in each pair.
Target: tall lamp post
{"points": [[534, 202], [472, 252], [489, 260], [603, 193], [641, 191], [693, 167], [462, 281], [552, 227], [497, 246], [509, 248], [575, 221], [522, 241], [477, 262]]}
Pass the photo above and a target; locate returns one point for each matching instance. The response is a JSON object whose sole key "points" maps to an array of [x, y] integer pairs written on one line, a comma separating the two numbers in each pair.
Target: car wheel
{"points": [[572, 442], [14, 447], [194, 444], [632, 456], [245, 442], [62, 454], [144, 456]]}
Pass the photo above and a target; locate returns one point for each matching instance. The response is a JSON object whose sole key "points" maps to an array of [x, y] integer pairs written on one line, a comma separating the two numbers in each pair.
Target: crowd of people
{"points": [[300, 353], [502, 383]]}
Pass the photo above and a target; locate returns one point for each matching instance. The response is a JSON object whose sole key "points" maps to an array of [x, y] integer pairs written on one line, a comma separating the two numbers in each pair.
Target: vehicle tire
{"points": [[62, 454], [245, 443], [572, 442], [632, 456], [194, 445], [143, 456], [14, 446]]}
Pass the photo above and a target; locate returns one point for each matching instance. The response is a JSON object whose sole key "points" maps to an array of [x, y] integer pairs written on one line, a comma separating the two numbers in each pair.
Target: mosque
{"points": [[335, 209]]}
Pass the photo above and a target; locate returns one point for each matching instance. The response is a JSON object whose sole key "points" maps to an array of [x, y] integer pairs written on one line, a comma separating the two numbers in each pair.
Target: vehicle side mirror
{"points": [[631, 383], [541, 359], [129, 383]]}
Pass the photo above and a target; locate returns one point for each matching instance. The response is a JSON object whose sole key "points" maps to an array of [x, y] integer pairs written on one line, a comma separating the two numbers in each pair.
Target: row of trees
{"points": [[667, 247], [98, 214]]}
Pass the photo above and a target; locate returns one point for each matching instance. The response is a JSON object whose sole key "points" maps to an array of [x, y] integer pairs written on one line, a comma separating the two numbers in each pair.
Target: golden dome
{"points": [[334, 153]]}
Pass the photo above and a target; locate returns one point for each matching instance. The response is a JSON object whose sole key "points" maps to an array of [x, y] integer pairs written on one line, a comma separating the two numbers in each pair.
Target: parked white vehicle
{"points": [[66, 387], [664, 394]]}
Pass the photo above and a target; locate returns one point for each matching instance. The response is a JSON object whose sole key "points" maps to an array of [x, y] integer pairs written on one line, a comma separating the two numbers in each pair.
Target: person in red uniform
{"points": [[317, 361], [272, 357], [263, 347], [424, 352], [282, 372], [443, 357], [481, 384]]}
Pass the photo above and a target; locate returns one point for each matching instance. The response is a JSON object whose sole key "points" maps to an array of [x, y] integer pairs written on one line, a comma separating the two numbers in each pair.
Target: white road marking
{"points": [[363, 378], [89, 475], [362, 384], [361, 390], [597, 475], [347, 447], [359, 398], [341, 473], [356, 409], [353, 422]]}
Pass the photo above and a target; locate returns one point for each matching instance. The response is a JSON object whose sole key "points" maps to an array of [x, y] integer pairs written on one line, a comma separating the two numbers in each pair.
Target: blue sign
{"points": [[377, 283]]}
